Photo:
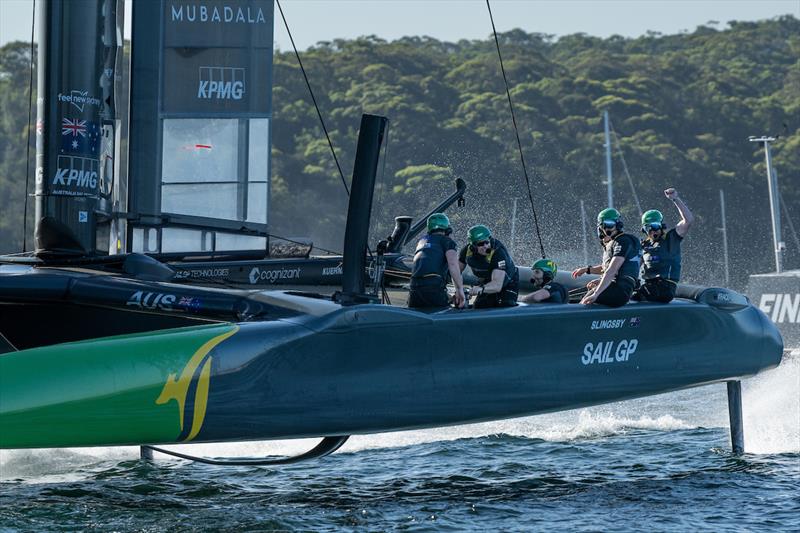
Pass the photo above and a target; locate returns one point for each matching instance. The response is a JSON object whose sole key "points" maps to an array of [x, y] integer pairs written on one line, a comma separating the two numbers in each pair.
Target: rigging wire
{"points": [[384, 294], [516, 131], [313, 98], [625, 167], [789, 221], [28, 145]]}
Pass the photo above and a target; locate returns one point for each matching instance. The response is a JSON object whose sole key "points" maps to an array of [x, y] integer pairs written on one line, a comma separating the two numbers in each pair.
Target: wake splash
{"points": [[558, 427], [53, 465], [771, 405]]}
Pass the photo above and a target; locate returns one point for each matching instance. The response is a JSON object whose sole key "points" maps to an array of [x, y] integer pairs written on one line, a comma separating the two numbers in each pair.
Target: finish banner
{"points": [[778, 296]]}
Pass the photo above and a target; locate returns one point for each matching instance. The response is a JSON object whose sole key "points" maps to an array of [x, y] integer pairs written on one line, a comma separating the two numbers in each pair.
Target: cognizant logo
{"points": [[258, 275]]}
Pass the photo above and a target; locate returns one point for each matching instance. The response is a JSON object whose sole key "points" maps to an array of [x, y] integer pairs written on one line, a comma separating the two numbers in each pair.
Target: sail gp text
{"points": [[609, 351]]}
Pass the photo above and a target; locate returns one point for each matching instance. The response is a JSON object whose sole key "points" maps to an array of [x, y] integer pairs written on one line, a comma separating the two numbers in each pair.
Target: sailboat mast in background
{"points": [[609, 176], [774, 199]]}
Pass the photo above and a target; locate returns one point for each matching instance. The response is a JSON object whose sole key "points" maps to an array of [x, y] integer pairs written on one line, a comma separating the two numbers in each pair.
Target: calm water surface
{"points": [[659, 463]]}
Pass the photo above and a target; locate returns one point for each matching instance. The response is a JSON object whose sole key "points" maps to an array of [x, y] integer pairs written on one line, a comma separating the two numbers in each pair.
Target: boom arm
{"points": [[461, 187]]}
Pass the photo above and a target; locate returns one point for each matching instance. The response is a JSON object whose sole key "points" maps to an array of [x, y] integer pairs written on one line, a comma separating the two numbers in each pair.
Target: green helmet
{"points": [[652, 220], [479, 233], [609, 218], [438, 221], [651, 216], [548, 266], [609, 214]]}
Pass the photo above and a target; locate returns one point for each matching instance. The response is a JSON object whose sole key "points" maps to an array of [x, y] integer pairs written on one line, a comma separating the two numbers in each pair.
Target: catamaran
{"points": [[108, 340]]}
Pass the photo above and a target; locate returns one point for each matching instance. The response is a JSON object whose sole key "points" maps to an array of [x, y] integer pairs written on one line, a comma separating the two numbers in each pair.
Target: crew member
{"points": [[661, 267], [435, 262], [545, 289], [620, 268], [492, 265]]}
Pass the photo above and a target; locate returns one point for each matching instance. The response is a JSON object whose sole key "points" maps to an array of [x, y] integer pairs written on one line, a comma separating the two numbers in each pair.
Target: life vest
{"points": [[430, 263], [630, 268], [662, 258]]}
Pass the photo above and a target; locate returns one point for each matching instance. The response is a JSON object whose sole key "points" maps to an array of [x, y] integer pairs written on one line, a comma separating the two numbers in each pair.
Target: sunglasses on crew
{"points": [[655, 226], [608, 224], [483, 243]]}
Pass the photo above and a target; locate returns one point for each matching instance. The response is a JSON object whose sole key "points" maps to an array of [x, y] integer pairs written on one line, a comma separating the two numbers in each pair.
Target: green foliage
{"points": [[682, 106], [14, 82]]}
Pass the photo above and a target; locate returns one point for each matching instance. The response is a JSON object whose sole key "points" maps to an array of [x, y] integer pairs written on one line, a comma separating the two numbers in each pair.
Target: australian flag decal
{"points": [[80, 137]]}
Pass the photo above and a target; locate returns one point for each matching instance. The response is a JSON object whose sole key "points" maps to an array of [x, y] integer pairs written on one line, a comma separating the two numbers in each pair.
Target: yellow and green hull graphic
{"points": [[131, 389]]}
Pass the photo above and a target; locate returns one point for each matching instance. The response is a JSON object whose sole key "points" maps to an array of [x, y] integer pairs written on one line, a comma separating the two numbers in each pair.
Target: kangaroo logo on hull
{"points": [[198, 372]]}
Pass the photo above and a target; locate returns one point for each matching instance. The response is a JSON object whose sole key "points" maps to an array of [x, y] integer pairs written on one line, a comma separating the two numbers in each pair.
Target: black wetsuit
{"points": [[430, 274], [621, 288], [661, 268], [558, 293], [483, 266]]}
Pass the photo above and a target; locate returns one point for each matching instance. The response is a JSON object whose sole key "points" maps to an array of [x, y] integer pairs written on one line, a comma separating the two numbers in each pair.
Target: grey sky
{"points": [[318, 20]]}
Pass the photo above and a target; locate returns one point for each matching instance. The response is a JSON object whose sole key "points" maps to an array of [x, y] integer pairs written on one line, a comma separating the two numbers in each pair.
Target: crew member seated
{"points": [[620, 267], [492, 265], [661, 268], [545, 289]]}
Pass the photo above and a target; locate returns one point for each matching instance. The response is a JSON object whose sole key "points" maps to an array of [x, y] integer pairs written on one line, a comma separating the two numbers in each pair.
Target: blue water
{"points": [[658, 463]]}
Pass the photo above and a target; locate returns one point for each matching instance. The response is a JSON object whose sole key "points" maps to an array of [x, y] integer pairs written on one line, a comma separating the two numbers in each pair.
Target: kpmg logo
{"points": [[79, 99], [216, 14], [75, 173], [221, 83]]}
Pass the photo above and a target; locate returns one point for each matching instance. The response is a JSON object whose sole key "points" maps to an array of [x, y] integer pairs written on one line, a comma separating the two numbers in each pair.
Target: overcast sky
{"points": [[450, 20]]}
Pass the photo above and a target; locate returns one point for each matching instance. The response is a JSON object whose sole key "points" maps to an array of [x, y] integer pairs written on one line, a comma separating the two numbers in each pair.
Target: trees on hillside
{"points": [[682, 106], [15, 61]]}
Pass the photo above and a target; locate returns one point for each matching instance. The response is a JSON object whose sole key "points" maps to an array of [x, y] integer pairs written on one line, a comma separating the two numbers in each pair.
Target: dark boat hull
{"points": [[372, 368]]}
